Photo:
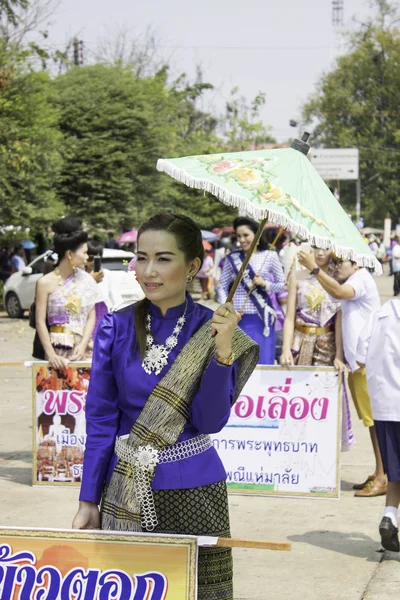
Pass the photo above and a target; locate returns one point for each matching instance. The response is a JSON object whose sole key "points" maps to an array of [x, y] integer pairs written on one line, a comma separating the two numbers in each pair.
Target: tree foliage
{"points": [[87, 141], [24, 24], [115, 127], [139, 51], [242, 126], [357, 105], [29, 145], [9, 9]]}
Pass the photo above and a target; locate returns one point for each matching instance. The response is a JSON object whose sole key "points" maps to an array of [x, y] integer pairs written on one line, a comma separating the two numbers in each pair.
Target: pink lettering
{"points": [[76, 402], [55, 402], [281, 389], [64, 402], [277, 409], [261, 413], [244, 407], [319, 408], [299, 408]]}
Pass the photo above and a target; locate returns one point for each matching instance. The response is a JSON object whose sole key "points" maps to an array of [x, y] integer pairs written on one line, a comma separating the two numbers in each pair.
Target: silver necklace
{"points": [[156, 357]]}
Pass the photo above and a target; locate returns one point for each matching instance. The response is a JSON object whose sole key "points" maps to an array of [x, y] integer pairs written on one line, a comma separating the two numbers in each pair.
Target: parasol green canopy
{"points": [[282, 187]]}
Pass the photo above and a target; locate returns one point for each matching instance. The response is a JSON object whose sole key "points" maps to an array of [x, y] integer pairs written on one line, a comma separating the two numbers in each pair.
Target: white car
{"points": [[19, 289]]}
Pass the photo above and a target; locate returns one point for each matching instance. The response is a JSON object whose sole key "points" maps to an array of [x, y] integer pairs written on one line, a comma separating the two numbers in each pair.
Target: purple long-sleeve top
{"points": [[119, 388]]}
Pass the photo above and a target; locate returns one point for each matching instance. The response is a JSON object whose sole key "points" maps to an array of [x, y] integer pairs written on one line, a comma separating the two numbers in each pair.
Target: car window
{"points": [[38, 266]]}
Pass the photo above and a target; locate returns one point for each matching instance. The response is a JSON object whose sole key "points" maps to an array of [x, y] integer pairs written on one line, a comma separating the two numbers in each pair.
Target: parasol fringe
{"points": [[274, 217]]}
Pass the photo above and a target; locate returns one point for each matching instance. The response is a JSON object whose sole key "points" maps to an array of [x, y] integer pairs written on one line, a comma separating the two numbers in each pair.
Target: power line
{"points": [[222, 47]]}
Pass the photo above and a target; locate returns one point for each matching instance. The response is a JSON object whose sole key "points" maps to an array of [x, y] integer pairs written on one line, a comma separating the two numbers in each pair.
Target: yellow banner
{"points": [[79, 565]]}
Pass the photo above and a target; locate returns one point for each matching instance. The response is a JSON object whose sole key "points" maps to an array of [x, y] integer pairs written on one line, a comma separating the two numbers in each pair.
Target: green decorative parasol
{"points": [[280, 187]]}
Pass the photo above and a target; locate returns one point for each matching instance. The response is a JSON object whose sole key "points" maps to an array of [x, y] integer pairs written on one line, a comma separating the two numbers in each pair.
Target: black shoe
{"points": [[389, 535]]}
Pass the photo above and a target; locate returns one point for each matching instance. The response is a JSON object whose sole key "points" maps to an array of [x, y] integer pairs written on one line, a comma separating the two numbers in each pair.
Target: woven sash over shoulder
{"points": [[165, 414]]}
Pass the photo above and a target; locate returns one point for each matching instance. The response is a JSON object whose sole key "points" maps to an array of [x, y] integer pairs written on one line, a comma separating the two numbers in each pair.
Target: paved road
{"points": [[336, 551]]}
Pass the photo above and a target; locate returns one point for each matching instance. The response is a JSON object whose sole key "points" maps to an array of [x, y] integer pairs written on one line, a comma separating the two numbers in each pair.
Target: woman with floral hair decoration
{"points": [[66, 298]]}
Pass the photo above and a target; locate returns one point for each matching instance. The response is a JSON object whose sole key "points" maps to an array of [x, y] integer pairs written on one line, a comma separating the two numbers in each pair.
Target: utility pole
{"points": [[358, 199], [337, 13], [78, 51], [81, 53], [358, 192], [75, 45]]}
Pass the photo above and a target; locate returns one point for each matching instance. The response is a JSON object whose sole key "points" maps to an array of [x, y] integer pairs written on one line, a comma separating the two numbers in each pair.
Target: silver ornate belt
{"points": [[144, 461]]}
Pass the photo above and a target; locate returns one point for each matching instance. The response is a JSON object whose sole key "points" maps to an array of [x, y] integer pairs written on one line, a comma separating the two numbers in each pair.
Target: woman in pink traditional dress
{"points": [[65, 299], [312, 332]]}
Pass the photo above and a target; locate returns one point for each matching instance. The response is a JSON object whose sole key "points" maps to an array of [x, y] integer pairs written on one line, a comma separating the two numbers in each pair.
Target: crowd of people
{"points": [[325, 314], [159, 366], [12, 260]]}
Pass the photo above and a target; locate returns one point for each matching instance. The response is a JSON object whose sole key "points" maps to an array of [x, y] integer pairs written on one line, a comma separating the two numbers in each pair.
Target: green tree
{"points": [[196, 133], [9, 8], [242, 126], [356, 105], [115, 127], [29, 145]]}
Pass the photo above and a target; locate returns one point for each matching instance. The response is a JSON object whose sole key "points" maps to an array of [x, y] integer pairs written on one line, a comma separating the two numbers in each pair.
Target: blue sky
{"points": [[278, 47]]}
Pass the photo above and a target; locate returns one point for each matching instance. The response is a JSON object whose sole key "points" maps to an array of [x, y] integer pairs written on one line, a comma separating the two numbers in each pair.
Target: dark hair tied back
{"points": [[189, 241], [253, 226], [186, 232], [68, 235], [66, 225]]}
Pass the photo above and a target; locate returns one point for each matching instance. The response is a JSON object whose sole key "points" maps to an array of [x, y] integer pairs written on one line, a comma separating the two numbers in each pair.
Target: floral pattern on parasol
{"points": [[253, 175], [280, 187]]}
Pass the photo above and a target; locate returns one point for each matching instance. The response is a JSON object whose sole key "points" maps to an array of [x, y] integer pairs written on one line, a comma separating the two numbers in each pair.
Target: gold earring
{"points": [[189, 278], [71, 264]]}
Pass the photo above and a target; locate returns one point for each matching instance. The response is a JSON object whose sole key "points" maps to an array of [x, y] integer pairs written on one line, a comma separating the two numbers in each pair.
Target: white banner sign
{"points": [[283, 436], [335, 163]]}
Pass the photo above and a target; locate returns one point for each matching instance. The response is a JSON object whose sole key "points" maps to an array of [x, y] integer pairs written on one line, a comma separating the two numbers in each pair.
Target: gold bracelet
{"points": [[225, 361]]}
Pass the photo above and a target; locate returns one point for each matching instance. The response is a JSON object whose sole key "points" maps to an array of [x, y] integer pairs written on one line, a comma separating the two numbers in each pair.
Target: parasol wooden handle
{"points": [[253, 287], [247, 259], [278, 235], [257, 544]]}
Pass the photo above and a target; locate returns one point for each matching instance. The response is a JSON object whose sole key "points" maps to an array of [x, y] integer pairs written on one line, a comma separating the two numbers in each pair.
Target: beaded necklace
{"points": [[156, 357]]}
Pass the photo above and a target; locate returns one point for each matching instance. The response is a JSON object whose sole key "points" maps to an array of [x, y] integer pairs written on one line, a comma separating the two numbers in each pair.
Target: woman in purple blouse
{"points": [[165, 374]]}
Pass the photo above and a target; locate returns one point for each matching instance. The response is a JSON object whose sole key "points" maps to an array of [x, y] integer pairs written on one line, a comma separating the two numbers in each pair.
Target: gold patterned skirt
{"points": [[317, 350], [68, 352]]}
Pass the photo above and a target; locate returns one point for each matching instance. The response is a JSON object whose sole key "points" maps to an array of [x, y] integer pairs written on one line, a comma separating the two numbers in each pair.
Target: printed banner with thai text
{"points": [[59, 428], [96, 566], [283, 436]]}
